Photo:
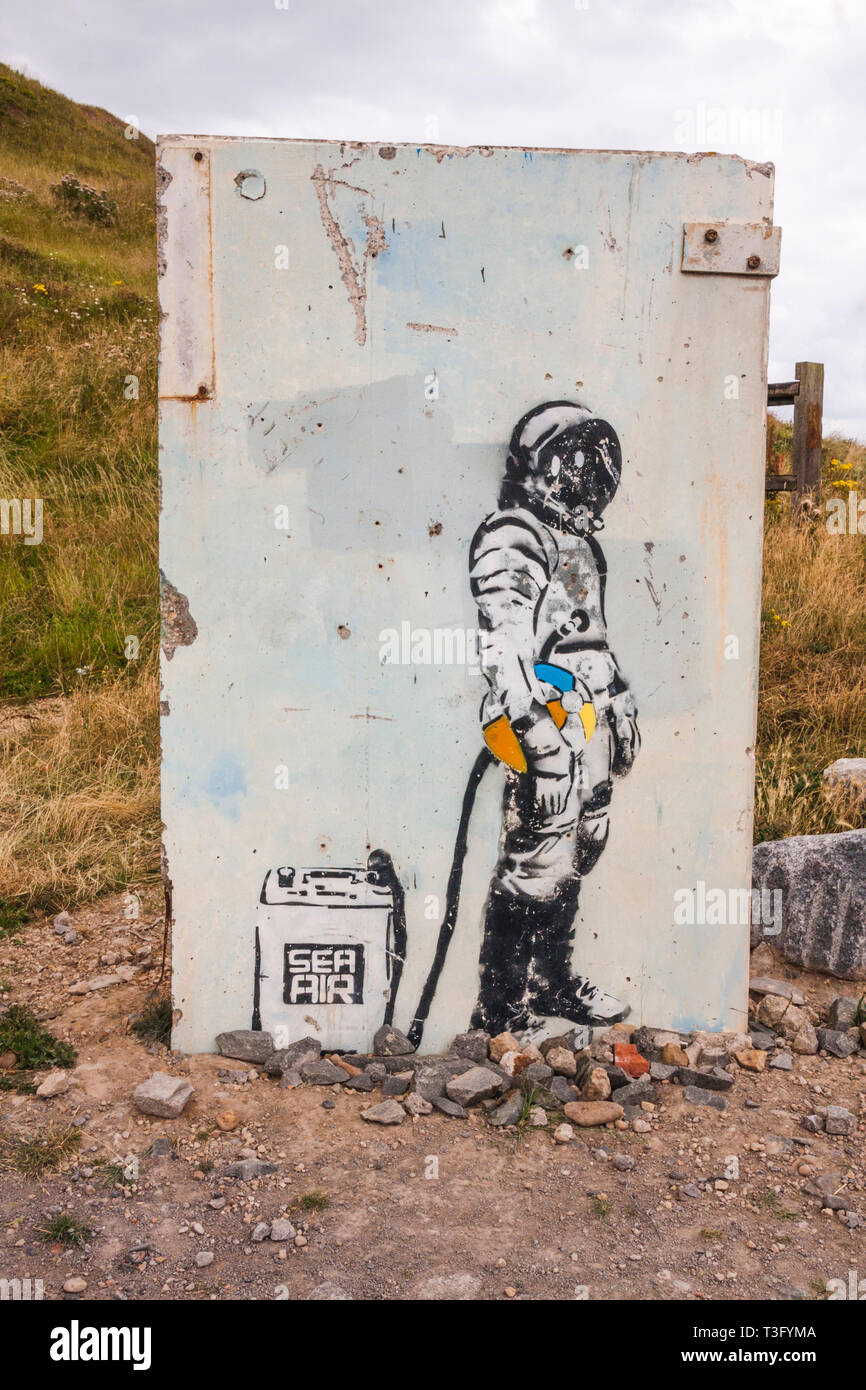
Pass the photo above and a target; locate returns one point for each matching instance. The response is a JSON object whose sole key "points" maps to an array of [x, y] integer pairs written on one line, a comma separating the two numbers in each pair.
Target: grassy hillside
{"points": [[78, 319], [812, 690], [79, 786]]}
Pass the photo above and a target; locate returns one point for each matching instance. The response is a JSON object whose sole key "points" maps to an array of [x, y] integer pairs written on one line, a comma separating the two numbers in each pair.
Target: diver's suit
{"points": [[539, 589]]}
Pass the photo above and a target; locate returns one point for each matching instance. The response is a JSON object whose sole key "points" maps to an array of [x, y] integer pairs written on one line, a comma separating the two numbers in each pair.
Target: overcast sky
{"points": [[779, 80]]}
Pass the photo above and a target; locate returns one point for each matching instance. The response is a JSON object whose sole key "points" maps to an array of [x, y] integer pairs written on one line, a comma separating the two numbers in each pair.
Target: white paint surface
{"points": [[319, 404]]}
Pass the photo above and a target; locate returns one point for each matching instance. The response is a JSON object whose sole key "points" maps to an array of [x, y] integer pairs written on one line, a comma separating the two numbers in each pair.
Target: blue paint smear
{"points": [[224, 783]]}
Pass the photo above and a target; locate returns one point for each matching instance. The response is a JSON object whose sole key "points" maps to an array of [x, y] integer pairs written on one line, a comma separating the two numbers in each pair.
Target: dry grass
{"points": [[812, 688], [79, 798]]}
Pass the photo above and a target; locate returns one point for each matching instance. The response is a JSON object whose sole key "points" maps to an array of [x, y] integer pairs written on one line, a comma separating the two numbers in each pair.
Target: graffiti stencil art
{"points": [[558, 711]]}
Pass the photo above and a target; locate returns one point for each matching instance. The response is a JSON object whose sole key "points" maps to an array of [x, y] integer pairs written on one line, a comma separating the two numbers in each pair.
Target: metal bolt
{"points": [[198, 156], [753, 262], [202, 392], [711, 234]]}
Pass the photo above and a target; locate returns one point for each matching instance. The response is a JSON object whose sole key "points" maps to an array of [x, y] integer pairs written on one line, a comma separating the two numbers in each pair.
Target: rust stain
{"points": [[433, 328], [352, 273]]}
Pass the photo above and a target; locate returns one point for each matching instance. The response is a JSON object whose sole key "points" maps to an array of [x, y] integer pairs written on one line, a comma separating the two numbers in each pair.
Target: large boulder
{"points": [[822, 881]]}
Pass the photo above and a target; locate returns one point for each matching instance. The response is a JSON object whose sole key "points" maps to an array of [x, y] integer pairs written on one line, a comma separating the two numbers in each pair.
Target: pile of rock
{"points": [[783, 1024], [613, 1081]]}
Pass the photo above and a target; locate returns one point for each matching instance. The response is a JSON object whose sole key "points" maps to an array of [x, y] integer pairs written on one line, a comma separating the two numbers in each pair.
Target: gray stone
{"points": [[377, 1071], [562, 1089], [805, 1044], [537, 1117], [839, 1044], [328, 1292], [473, 1086], [536, 1074], [843, 1012], [417, 1105], [249, 1168], [642, 1039], [635, 1092], [849, 773], [399, 1062], [282, 1230], [364, 1082], [290, 1078], [822, 879], [657, 1039], [624, 1162], [322, 1073], [473, 1045], [836, 1203], [696, 1095], [615, 1075], [204, 1258], [396, 1084], [387, 1112], [659, 1071], [840, 1121], [246, 1045], [162, 1095], [691, 1190], [763, 984], [160, 1148], [712, 1057], [509, 1112], [62, 923], [783, 1061], [260, 1232], [432, 1074], [449, 1107], [814, 1124], [715, 1080], [290, 1058], [390, 1042]]}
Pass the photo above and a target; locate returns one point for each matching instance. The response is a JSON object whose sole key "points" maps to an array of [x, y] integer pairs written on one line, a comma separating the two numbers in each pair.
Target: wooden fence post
{"points": [[808, 414]]}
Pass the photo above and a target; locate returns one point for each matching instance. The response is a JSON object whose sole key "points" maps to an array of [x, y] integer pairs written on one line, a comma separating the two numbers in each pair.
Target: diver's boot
{"points": [[553, 989], [510, 923]]}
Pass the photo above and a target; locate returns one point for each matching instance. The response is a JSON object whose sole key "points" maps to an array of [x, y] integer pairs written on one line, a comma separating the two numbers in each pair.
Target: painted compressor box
{"points": [[324, 948], [462, 481]]}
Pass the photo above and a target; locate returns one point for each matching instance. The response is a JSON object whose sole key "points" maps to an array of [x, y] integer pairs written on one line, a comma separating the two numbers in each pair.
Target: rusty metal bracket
{"points": [[731, 248], [186, 364]]}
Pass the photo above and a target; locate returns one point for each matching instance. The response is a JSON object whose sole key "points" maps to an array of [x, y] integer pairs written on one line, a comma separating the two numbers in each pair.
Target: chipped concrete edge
{"points": [[387, 149]]}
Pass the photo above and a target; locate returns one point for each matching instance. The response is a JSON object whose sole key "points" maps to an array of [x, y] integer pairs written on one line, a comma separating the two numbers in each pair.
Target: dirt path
{"points": [[434, 1208]]}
